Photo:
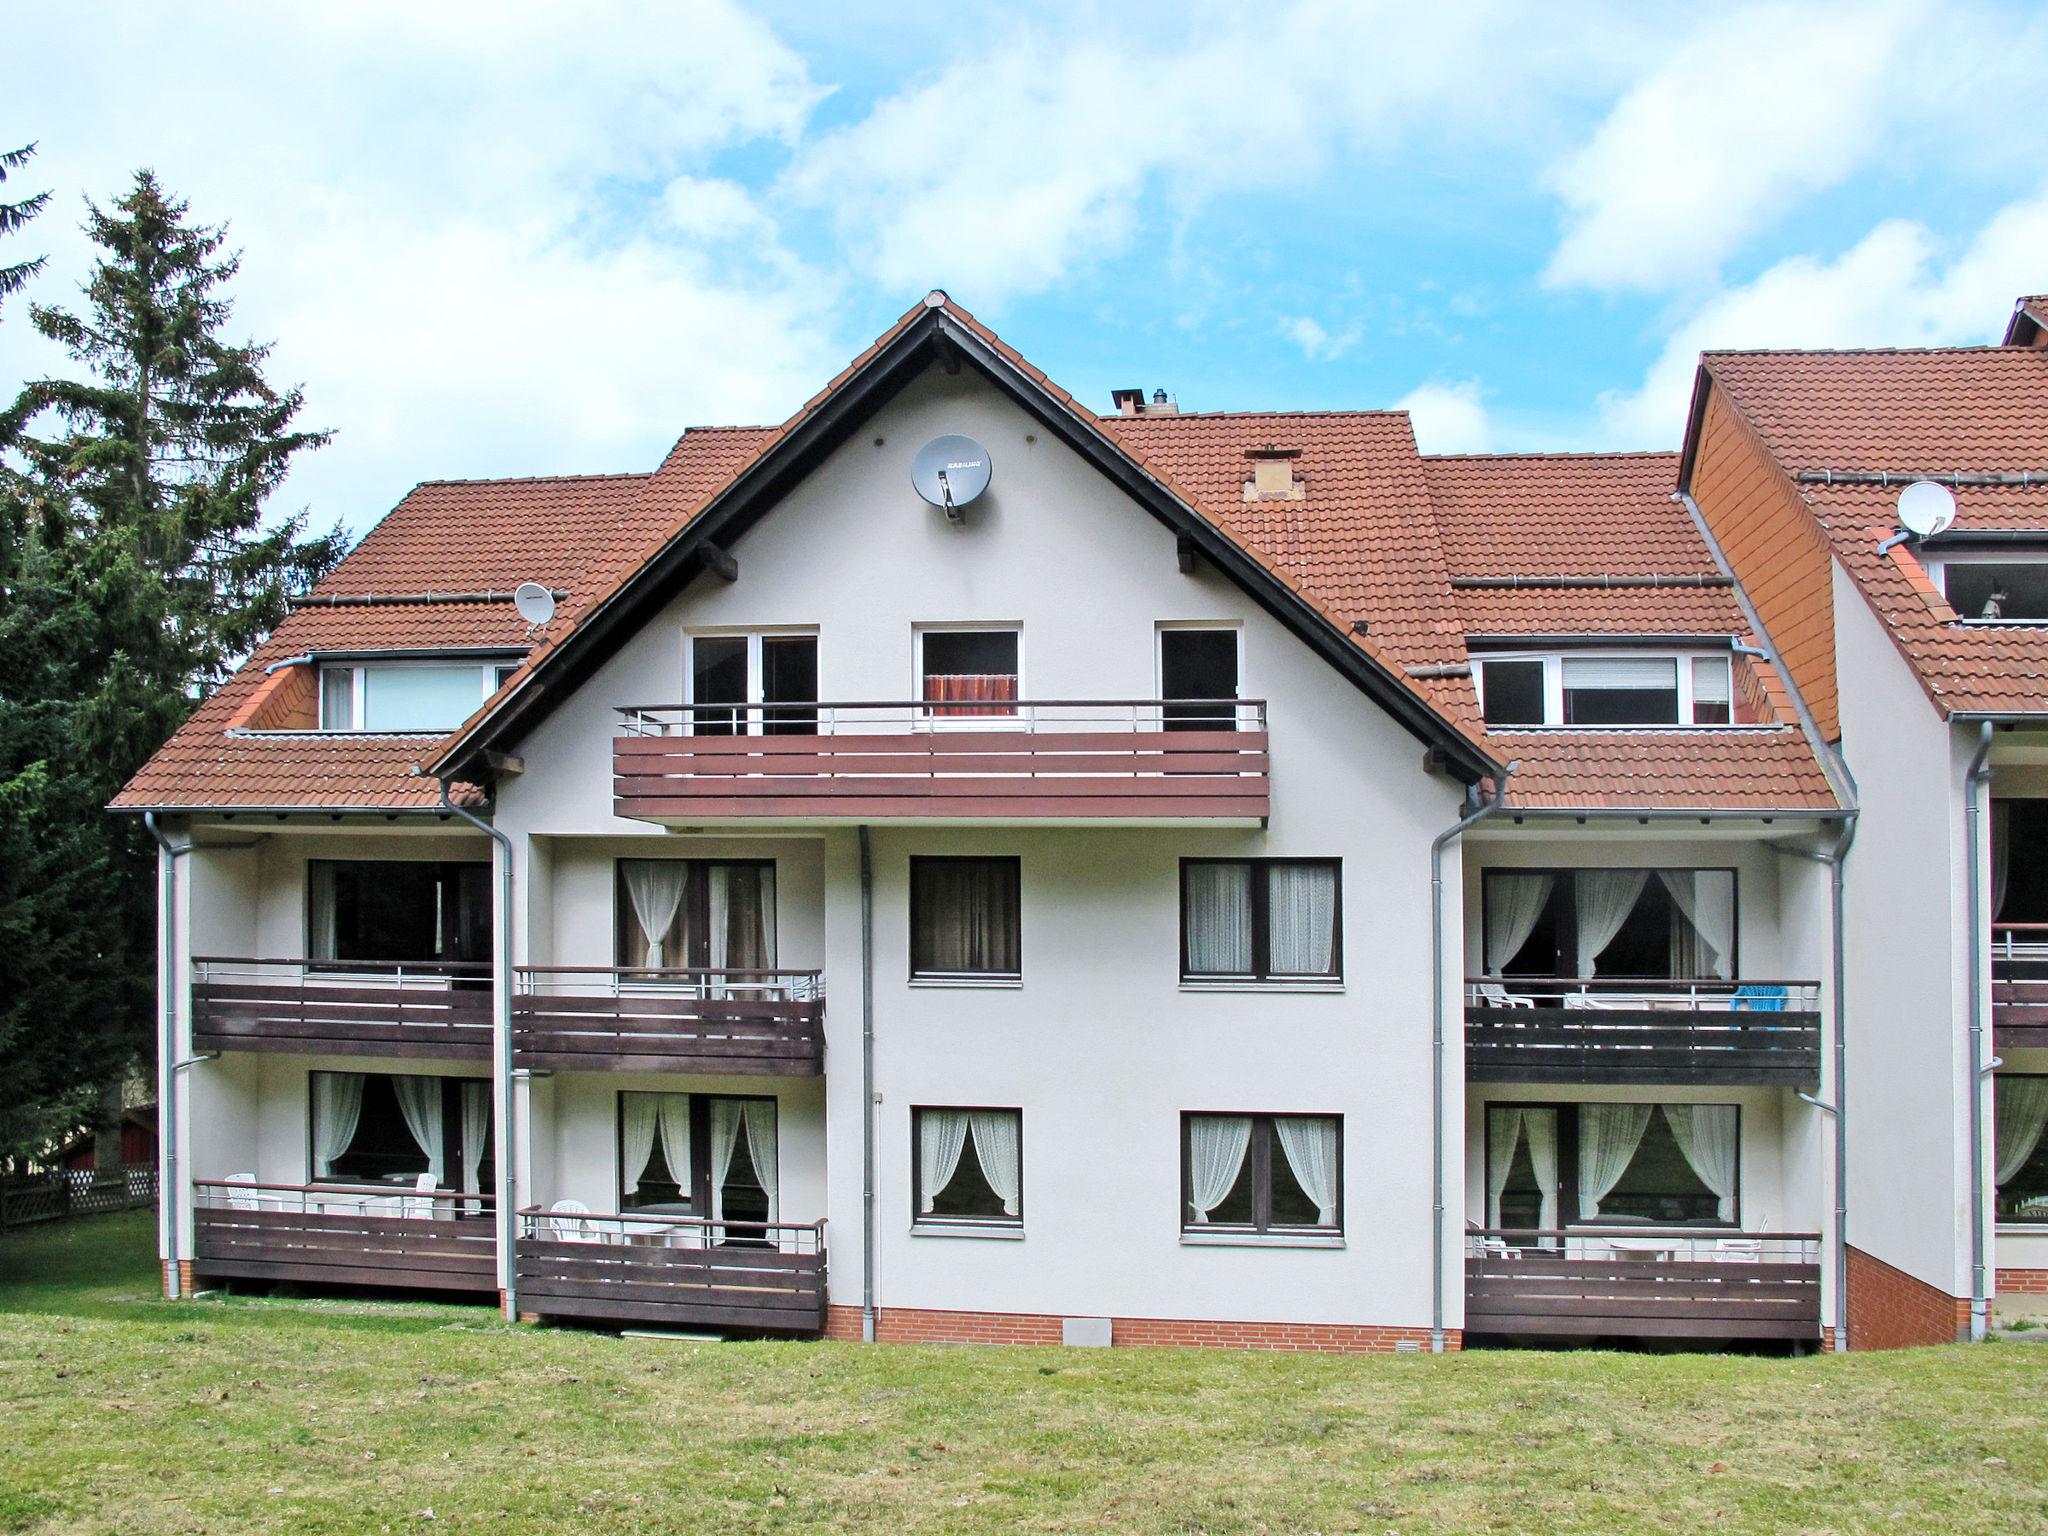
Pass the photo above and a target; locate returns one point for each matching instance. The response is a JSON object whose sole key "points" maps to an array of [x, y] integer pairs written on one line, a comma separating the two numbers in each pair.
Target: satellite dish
{"points": [[536, 604], [950, 472], [1926, 507]]}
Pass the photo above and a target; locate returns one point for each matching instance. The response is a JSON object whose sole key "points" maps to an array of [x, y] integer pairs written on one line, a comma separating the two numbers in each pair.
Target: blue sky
{"points": [[529, 238]]}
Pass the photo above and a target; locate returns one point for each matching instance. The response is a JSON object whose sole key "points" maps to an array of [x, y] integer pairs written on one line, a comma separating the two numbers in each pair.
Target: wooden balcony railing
{"points": [[1137, 760], [1643, 1282], [342, 1007], [344, 1234], [672, 1270], [2019, 985], [1532, 1030], [599, 1019]]}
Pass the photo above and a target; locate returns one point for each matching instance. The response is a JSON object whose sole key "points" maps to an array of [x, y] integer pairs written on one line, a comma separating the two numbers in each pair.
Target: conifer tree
{"points": [[13, 216]]}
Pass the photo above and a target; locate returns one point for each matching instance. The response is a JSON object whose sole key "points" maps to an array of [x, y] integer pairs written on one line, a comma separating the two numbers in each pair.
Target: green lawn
{"points": [[124, 1413]]}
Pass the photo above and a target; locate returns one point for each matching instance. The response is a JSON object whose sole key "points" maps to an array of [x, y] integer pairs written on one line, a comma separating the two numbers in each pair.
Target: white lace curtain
{"points": [[2001, 853], [1219, 919], [729, 1118], [476, 1132], [998, 1147], [2019, 1116], [655, 887], [1309, 1144], [1608, 1137], [1706, 1134], [639, 1116], [320, 921], [1503, 1138], [1514, 903], [675, 1138], [941, 1134], [1506, 1132], [419, 1100], [1604, 898], [741, 916], [1705, 900], [1301, 918], [1216, 1148], [337, 1109]]}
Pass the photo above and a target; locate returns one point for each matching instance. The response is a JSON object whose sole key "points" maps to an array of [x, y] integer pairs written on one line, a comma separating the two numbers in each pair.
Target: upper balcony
{"points": [[1541, 1030], [2019, 985], [1132, 761], [611, 1019], [440, 1010]]}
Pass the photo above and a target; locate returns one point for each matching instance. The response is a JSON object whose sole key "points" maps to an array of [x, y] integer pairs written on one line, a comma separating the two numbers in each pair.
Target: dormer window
{"points": [[1993, 586], [1595, 689], [410, 695]]}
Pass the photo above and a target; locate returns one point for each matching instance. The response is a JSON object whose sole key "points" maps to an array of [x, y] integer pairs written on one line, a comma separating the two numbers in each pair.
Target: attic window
{"points": [[1994, 591], [400, 696], [1596, 690], [1272, 475]]}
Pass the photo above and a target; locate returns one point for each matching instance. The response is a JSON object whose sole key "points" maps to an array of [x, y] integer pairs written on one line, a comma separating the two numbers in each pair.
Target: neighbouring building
{"points": [[1232, 879]]}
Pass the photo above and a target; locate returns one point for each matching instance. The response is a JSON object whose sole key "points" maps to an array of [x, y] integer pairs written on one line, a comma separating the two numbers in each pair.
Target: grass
{"points": [[123, 1413]]}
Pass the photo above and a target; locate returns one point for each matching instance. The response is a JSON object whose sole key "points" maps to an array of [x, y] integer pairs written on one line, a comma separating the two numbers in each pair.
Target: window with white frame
{"points": [[965, 672], [410, 695], [1992, 586], [1199, 666], [755, 684], [1597, 689]]}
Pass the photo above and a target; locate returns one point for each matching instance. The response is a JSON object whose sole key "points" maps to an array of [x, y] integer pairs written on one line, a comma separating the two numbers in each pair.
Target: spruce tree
{"points": [[13, 216], [149, 563]]}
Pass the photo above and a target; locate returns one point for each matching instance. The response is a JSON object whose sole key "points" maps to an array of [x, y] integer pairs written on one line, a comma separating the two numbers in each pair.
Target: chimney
{"points": [[1272, 476], [1132, 402]]}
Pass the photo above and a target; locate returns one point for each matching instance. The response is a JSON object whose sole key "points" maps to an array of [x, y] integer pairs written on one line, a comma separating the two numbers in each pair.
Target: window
{"points": [[1260, 920], [1595, 690], [2020, 1150], [696, 914], [1550, 1166], [388, 1128], [967, 1165], [701, 1154], [392, 696], [970, 671], [965, 919], [1261, 1173], [1987, 591], [1198, 665], [1514, 692], [402, 910], [1678, 924], [758, 684], [1620, 690]]}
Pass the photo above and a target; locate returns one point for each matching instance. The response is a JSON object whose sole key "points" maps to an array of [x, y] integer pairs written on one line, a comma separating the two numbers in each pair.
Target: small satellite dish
{"points": [[1926, 507], [536, 604], [950, 472]]}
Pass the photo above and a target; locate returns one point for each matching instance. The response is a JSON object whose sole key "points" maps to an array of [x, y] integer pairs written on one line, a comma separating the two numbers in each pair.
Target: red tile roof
{"points": [[1972, 411], [1376, 536]]}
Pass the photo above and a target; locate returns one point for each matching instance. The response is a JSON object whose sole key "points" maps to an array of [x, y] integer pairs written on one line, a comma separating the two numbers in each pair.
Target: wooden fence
{"points": [[81, 1192]]}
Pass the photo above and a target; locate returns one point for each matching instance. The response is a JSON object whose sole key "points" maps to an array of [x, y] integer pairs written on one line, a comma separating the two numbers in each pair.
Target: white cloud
{"points": [[486, 237], [1449, 418], [1314, 338], [1891, 288], [1758, 108], [1013, 168]]}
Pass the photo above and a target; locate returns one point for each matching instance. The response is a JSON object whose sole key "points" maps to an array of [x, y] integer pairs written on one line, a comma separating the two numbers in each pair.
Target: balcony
{"points": [[342, 1007], [673, 1271], [2019, 985], [343, 1234], [1648, 1282], [604, 1019], [1091, 760], [1531, 1030]]}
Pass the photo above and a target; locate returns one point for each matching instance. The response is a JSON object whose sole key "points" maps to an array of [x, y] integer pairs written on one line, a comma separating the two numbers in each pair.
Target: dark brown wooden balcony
{"points": [[1648, 1282], [2019, 986], [1527, 1030], [673, 1271], [342, 1007], [598, 1019], [344, 1234], [1142, 761]]}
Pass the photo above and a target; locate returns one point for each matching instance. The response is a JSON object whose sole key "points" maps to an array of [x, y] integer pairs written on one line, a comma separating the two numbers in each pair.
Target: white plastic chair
{"points": [[566, 1221], [1494, 995], [241, 1202], [1744, 1250], [420, 1206]]}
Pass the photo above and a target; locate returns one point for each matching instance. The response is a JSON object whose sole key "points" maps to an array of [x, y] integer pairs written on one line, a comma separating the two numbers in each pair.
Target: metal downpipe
{"points": [[1436, 1048], [501, 1054], [867, 1089], [1979, 774], [167, 1012]]}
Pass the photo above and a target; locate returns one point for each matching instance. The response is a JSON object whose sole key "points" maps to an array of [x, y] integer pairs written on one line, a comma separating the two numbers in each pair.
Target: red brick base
{"points": [[1889, 1309], [187, 1281], [2023, 1282], [914, 1325]]}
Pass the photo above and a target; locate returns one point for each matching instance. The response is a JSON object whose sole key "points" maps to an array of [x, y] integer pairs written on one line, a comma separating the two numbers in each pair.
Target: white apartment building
{"points": [[1180, 878]]}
